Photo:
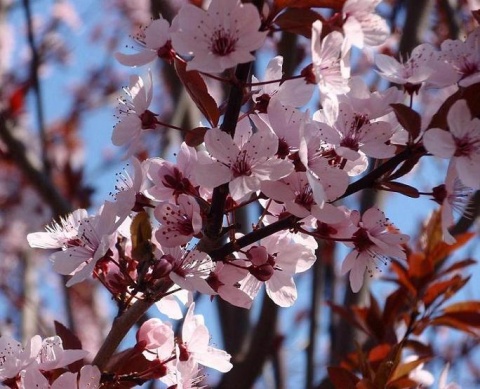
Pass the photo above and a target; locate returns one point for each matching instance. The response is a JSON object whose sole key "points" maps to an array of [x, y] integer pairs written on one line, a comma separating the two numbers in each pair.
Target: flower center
{"points": [[241, 167], [223, 43], [361, 240]]}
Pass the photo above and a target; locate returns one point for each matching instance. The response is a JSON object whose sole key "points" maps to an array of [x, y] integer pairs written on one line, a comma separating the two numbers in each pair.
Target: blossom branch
{"points": [[254, 236], [120, 328], [213, 229], [369, 180]]}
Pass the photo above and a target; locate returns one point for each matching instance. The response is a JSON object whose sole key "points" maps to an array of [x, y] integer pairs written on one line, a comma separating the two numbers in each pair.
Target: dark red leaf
{"points": [[400, 188], [70, 342], [333, 4], [194, 137], [409, 119], [197, 89], [342, 378], [297, 21]]}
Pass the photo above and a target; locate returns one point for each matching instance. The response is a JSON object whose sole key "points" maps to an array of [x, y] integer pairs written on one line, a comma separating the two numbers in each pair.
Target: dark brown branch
{"points": [[254, 236], [369, 180], [39, 180], [35, 65]]}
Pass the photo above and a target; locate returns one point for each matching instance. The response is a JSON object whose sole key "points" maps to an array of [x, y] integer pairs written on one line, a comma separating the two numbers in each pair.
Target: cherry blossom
{"points": [[157, 339], [294, 93], [134, 114], [14, 357], [183, 374], [58, 233], [464, 57], [274, 262], [411, 73], [297, 194], [452, 196], [374, 242], [331, 74], [359, 133], [180, 222], [221, 37], [244, 162], [128, 196], [155, 42], [461, 143], [194, 344], [327, 182], [224, 279], [52, 355], [96, 235], [362, 26], [284, 122], [171, 180], [89, 379], [191, 270]]}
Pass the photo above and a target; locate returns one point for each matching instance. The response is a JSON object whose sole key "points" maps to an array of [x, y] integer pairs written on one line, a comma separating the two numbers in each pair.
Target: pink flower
{"points": [[96, 235], [171, 180], [194, 344], [89, 379], [128, 190], [183, 374], [14, 357], [294, 93], [52, 355], [180, 222], [157, 339], [359, 133], [284, 122], [329, 69], [134, 114], [274, 263], [411, 73], [297, 194], [244, 162], [464, 57], [372, 243], [452, 196], [155, 42], [461, 143], [224, 280], [362, 26], [59, 234], [190, 270], [219, 38], [326, 180]]}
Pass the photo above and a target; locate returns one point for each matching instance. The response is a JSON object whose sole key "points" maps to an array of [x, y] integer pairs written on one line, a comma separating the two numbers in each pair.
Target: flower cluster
{"points": [[170, 229]]}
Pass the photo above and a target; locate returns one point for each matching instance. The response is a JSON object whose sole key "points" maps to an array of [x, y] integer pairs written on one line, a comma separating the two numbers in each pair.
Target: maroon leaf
{"points": [[197, 89], [70, 342], [297, 21], [409, 119], [398, 187], [194, 138], [333, 4], [342, 378]]}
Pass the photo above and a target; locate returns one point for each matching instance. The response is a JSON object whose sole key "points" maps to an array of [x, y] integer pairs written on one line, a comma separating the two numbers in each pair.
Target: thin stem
{"points": [[278, 80]]}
